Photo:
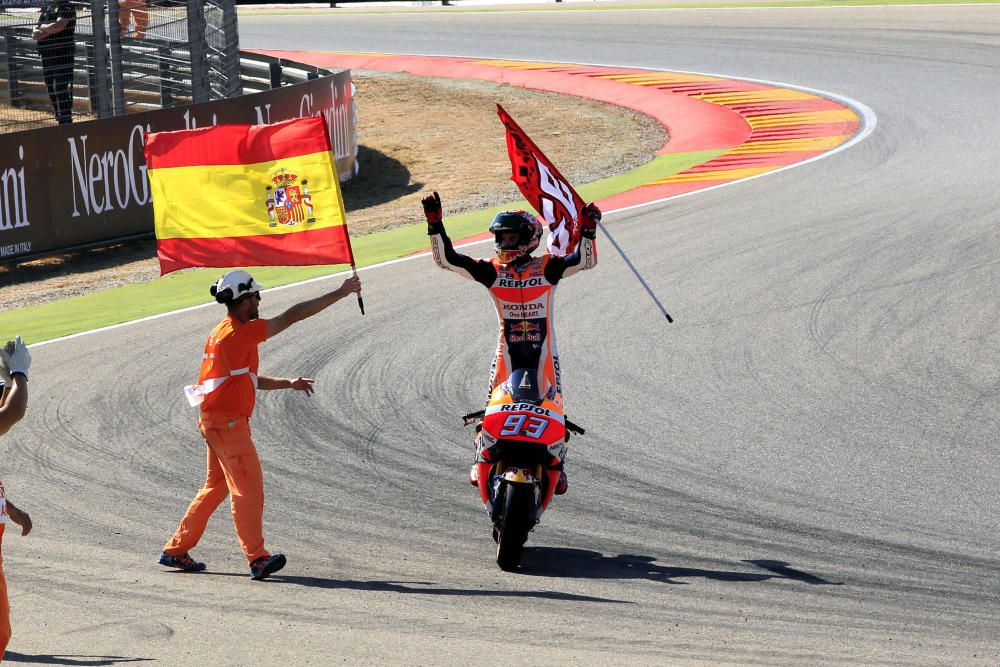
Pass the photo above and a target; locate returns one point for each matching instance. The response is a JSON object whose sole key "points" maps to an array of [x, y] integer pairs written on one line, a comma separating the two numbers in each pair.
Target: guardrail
{"points": [[183, 52], [155, 80]]}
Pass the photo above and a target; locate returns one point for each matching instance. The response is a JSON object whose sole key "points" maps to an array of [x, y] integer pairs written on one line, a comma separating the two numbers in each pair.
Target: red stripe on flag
{"points": [[330, 245], [236, 144]]}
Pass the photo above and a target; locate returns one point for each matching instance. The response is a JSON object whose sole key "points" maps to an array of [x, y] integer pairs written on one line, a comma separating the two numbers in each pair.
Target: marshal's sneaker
{"points": [[182, 562], [265, 566]]}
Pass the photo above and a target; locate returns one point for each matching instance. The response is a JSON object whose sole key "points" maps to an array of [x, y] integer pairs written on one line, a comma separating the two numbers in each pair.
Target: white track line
{"points": [[868, 118]]}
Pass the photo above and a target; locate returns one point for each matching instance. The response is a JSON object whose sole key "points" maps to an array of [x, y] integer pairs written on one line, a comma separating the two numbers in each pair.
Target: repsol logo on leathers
{"points": [[530, 282]]}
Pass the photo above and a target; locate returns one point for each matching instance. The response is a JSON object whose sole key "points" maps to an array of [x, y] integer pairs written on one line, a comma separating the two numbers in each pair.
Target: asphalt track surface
{"points": [[801, 470]]}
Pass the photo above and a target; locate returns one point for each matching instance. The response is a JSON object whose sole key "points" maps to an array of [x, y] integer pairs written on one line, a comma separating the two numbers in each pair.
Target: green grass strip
{"points": [[188, 288]]}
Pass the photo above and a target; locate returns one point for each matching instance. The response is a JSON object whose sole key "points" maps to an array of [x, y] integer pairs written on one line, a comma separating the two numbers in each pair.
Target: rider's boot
{"points": [[562, 486]]}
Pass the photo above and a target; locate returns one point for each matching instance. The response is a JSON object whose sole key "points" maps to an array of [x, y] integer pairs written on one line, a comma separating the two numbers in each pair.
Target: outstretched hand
{"points": [[20, 517], [432, 208], [304, 384]]}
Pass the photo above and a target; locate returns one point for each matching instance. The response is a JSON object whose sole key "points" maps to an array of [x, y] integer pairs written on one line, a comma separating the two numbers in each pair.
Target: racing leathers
{"points": [[522, 293]]}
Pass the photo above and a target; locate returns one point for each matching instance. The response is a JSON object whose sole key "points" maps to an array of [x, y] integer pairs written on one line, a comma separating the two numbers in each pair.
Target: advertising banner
{"points": [[83, 184]]}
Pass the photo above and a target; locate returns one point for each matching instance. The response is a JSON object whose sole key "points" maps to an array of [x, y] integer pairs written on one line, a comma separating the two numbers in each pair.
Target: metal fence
{"points": [[127, 56]]}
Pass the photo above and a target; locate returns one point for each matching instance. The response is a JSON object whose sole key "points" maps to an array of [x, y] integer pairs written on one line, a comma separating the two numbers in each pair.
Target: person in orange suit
{"points": [[14, 362], [226, 393], [136, 11]]}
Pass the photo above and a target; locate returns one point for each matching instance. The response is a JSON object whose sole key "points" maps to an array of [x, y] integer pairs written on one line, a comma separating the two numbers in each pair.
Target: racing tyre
{"points": [[513, 530]]}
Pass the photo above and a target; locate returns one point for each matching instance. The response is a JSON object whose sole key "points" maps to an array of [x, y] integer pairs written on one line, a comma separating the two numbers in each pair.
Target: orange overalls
{"points": [[139, 13], [4, 602], [226, 392]]}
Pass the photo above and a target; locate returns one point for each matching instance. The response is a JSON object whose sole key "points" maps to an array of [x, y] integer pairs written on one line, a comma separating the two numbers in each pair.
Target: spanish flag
{"points": [[247, 195]]}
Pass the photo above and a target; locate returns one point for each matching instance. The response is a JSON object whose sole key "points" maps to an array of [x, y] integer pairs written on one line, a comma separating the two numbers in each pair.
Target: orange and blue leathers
{"points": [[522, 293]]}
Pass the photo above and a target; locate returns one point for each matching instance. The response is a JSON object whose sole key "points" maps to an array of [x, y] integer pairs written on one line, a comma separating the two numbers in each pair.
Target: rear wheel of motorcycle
{"points": [[513, 532]]}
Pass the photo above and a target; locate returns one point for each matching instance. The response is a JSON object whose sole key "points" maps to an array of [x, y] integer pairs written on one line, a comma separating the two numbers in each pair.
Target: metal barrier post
{"points": [[117, 78], [9, 42], [200, 91], [166, 85], [275, 70], [231, 51], [100, 91]]}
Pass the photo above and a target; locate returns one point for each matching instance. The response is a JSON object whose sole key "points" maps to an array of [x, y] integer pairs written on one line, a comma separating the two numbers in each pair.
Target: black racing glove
{"points": [[432, 211], [590, 215]]}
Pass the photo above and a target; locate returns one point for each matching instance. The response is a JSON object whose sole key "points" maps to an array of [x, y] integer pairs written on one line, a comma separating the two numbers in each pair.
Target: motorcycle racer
{"points": [[522, 288]]}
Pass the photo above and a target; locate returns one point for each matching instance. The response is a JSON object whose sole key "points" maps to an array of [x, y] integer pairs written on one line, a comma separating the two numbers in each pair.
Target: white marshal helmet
{"points": [[233, 286]]}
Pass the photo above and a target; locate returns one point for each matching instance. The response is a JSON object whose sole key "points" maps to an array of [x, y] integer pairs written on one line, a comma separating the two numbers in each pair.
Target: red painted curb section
{"points": [[761, 127]]}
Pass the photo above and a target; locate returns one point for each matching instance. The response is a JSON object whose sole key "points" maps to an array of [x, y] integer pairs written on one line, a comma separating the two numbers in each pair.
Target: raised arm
{"points": [[444, 252], [585, 255], [301, 311]]}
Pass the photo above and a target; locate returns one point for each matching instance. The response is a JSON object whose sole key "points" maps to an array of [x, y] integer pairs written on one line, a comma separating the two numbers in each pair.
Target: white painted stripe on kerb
{"points": [[868, 122]]}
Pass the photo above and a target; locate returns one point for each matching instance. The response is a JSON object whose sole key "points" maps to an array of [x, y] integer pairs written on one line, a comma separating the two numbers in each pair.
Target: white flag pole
{"points": [[635, 271]]}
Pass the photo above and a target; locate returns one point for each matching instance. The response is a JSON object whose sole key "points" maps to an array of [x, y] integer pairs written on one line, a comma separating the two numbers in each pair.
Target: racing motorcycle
{"points": [[522, 442]]}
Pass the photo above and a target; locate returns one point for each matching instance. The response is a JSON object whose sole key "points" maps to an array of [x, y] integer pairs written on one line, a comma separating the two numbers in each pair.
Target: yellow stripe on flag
{"points": [[233, 200]]}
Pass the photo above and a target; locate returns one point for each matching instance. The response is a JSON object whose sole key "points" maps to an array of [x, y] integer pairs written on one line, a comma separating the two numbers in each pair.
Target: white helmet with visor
{"points": [[233, 286]]}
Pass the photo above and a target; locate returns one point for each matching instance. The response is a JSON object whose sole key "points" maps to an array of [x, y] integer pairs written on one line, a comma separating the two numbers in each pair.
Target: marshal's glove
{"points": [[432, 211], [18, 357], [590, 215]]}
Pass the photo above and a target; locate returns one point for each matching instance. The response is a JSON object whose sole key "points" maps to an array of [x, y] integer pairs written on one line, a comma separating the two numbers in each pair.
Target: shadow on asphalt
{"points": [[414, 587], [380, 179], [79, 660], [549, 562]]}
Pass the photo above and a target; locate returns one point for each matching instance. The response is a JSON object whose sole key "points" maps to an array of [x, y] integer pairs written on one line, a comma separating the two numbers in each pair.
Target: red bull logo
{"points": [[525, 332]]}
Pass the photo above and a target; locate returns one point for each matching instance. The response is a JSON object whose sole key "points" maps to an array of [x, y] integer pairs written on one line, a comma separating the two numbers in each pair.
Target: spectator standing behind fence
{"points": [[134, 11], [55, 33]]}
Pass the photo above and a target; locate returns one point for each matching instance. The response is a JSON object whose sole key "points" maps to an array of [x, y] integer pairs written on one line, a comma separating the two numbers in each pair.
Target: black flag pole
{"points": [[636, 272], [361, 302]]}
